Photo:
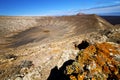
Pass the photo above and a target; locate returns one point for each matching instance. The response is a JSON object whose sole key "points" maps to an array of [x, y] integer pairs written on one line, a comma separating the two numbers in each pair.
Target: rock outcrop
{"points": [[100, 61]]}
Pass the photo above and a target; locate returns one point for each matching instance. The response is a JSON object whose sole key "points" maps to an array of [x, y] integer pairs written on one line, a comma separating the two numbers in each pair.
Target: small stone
{"points": [[18, 78], [111, 54], [117, 57]]}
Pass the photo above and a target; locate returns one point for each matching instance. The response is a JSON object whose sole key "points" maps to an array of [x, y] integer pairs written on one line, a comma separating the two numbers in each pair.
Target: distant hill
{"points": [[112, 19]]}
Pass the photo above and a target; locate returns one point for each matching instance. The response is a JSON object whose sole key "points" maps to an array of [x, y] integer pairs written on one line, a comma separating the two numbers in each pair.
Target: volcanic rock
{"points": [[96, 62], [32, 47]]}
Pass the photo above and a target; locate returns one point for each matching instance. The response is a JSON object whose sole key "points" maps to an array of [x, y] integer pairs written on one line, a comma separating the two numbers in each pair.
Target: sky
{"points": [[58, 7]]}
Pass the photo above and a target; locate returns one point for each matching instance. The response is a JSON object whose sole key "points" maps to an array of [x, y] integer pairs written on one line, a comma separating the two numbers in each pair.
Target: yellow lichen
{"points": [[95, 61]]}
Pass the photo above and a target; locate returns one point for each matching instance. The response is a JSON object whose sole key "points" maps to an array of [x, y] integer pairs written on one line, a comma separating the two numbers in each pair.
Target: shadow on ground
{"points": [[58, 74]]}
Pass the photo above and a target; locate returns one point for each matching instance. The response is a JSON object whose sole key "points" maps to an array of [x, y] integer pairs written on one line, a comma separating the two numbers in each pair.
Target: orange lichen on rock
{"points": [[72, 77], [100, 61], [80, 77]]}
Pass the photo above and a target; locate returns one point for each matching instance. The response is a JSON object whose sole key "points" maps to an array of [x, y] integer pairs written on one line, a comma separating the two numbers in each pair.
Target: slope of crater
{"points": [[26, 30]]}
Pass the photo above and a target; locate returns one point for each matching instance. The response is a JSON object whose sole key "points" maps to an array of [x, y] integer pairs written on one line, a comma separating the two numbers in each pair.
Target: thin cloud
{"points": [[107, 2], [58, 13], [100, 10], [117, 2]]}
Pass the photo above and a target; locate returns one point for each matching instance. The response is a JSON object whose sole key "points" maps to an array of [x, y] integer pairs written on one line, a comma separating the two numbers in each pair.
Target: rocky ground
{"points": [[76, 52], [100, 61]]}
